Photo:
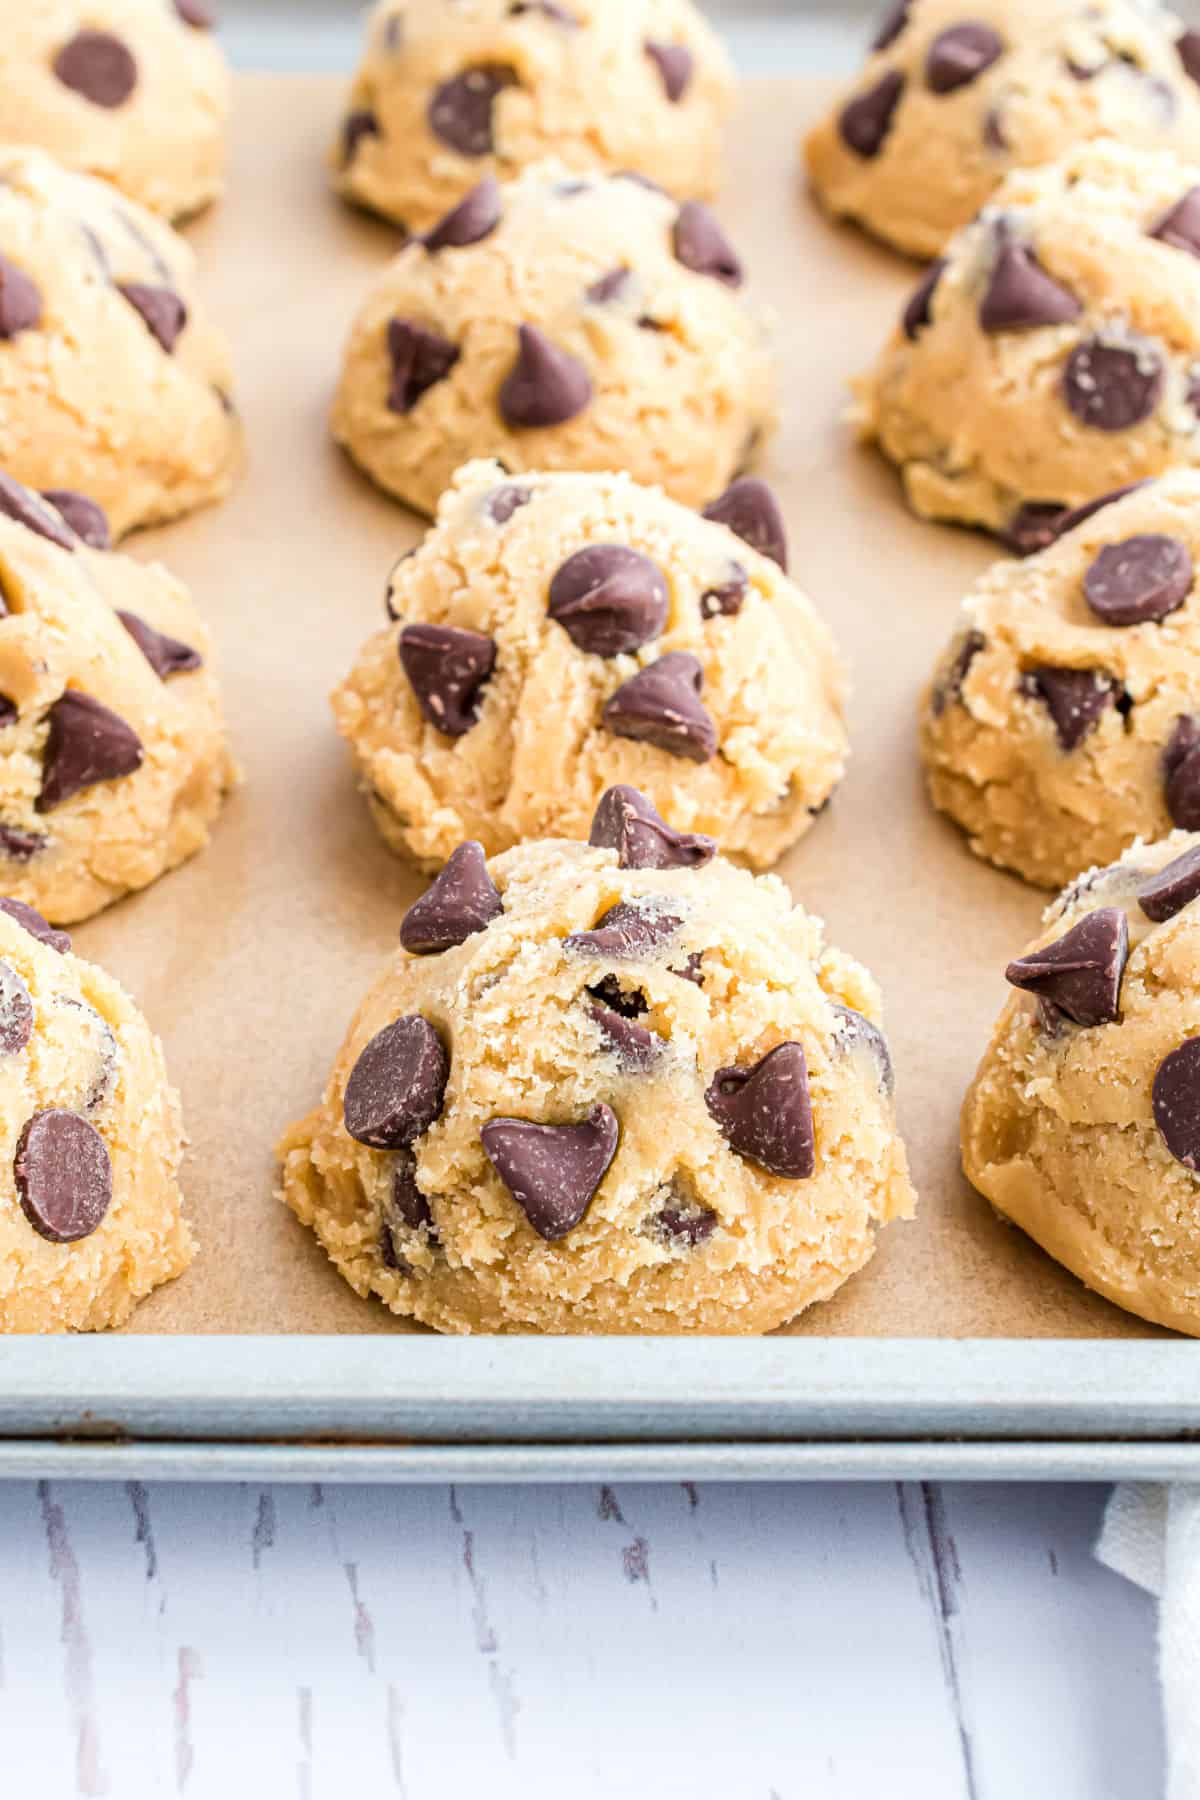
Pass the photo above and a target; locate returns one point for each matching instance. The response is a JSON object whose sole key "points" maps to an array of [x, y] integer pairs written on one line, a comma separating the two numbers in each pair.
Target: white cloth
{"points": [[1151, 1535]]}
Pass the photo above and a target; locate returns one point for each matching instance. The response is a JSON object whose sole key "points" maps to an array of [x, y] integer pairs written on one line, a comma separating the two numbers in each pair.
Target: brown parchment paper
{"points": [[250, 960]]}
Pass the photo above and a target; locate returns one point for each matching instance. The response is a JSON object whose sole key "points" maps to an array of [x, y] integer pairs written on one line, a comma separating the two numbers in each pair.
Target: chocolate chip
{"points": [[552, 1171], [625, 933], [630, 1003], [853, 1032], [9, 711], [196, 13], [726, 597], [918, 313], [764, 1112], [87, 742], [408, 1204], [1140, 580], [21, 846], [545, 386], [1181, 774], [627, 822], [20, 300], [1075, 699], [609, 287], [865, 121], [960, 55], [461, 900], [1034, 526], [16, 1012], [88, 521], [166, 655], [675, 64], [420, 358], [609, 599], [1188, 46], [95, 1045], [1080, 974], [751, 512], [503, 502], [447, 669], [397, 1086], [162, 311], [26, 508], [460, 112], [34, 924], [357, 125], [631, 1043], [1167, 892], [1020, 295], [891, 25], [99, 67], [63, 1175], [681, 1219], [994, 135], [1180, 228], [701, 245], [1079, 514], [951, 686], [1112, 388], [1175, 1097], [660, 705], [474, 218]]}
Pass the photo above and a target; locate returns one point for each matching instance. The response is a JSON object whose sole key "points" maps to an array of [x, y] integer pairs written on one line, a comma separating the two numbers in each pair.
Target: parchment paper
{"points": [[250, 960]]}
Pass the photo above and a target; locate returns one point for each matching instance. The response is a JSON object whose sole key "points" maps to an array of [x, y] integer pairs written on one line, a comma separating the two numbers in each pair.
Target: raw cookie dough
{"points": [[448, 94], [112, 381], [1083, 1122], [560, 633], [958, 92], [135, 91], [113, 759], [618, 1088], [566, 322], [90, 1140], [1064, 719], [1053, 354]]}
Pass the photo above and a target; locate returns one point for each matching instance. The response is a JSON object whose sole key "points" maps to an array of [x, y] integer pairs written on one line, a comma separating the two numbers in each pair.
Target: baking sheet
{"points": [[250, 960]]}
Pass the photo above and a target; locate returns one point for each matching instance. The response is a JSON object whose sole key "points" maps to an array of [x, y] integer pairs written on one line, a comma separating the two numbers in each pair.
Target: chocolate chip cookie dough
{"points": [[135, 91], [113, 759], [90, 1140], [112, 381], [561, 322], [447, 95], [955, 95], [1053, 353], [619, 1086], [1064, 718], [1083, 1122], [557, 634]]}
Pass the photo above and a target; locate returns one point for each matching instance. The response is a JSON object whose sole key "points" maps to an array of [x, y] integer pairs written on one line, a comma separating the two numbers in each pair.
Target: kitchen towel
{"points": [[1151, 1535]]}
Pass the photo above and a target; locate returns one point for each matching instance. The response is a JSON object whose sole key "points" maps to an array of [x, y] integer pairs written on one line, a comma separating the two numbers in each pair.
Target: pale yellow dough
{"points": [[538, 757], [164, 145], [511, 1006], [583, 88], [1058, 1128], [60, 631], [89, 398], [945, 153], [682, 402], [92, 1053], [977, 421]]}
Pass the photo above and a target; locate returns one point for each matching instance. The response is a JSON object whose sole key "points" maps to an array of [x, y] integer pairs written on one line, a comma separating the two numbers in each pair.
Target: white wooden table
{"points": [[738, 1643]]}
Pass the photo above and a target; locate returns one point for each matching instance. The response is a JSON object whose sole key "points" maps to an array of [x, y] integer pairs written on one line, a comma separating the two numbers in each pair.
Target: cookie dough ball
{"points": [[112, 381], [1083, 1122], [135, 91], [955, 95], [449, 94], [1053, 354], [1064, 719], [113, 760], [621, 1087], [90, 1140], [561, 322], [558, 634]]}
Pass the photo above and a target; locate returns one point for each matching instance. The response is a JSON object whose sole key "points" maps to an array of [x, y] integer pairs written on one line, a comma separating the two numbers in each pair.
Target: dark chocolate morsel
{"points": [[1080, 974], [87, 743], [1180, 228], [461, 900], [681, 1219], [1078, 515], [1188, 46], [552, 1171], [661, 705], [97, 66], [166, 655], [631, 1043], [88, 521], [609, 287], [701, 245], [919, 311], [20, 300], [1034, 526], [16, 1011], [960, 55], [674, 63], [357, 125], [34, 924], [460, 112], [750, 510], [1112, 387], [1181, 773], [891, 25], [625, 933], [20, 846], [160, 308], [1074, 698], [63, 1176], [196, 13], [474, 218], [1140, 580], [627, 822], [26, 508], [950, 687], [764, 1111], [397, 1086], [726, 598], [447, 669], [545, 385], [503, 502], [419, 359], [1167, 892], [609, 599], [1175, 1097], [1020, 295], [853, 1031], [865, 121], [408, 1205]]}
